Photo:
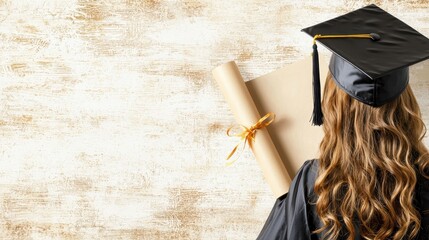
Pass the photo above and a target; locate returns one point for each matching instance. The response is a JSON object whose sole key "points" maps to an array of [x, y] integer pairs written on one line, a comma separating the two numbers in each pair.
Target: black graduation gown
{"points": [[294, 217]]}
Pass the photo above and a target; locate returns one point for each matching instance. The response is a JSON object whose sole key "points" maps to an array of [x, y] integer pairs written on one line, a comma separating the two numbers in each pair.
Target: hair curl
{"points": [[370, 158]]}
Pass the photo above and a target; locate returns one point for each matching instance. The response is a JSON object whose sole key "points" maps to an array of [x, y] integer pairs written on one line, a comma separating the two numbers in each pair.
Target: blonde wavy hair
{"points": [[369, 163]]}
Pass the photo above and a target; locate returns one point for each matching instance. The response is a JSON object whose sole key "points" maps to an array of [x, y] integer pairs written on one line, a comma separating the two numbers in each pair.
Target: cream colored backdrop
{"points": [[112, 126]]}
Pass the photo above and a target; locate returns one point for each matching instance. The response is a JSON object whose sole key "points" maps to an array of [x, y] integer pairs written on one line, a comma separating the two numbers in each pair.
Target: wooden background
{"points": [[112, 126]]}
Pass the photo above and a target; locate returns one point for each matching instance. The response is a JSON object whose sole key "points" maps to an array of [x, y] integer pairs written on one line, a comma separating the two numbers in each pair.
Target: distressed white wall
{"points": [[111, 126]]}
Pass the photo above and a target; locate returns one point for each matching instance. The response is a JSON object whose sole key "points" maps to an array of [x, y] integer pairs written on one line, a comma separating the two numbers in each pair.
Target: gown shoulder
{"points": [[292, 215]]}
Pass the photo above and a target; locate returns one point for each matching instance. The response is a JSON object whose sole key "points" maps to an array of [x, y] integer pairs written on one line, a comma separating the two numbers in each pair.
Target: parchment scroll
{"points": [[281, 148]]}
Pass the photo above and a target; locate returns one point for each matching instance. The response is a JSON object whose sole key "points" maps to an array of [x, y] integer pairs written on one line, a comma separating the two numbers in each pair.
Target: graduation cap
{"points": [[372, 52]]}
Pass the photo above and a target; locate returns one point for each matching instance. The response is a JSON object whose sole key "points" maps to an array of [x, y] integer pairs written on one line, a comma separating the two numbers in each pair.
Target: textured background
{"points": [[111, 124]]}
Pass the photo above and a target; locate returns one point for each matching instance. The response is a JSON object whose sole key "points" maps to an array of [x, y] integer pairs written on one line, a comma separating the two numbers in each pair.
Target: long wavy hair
{"points": [[370, 158]]}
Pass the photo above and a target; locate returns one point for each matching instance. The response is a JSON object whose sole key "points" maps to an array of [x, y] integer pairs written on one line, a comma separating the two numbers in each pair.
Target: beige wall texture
{"points": [[112, 127]]}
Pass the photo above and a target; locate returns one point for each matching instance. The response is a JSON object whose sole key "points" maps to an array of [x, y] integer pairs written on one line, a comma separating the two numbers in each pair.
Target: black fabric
{"points": [[374, 92], [294, 217], [399, 46], [374, 72]]}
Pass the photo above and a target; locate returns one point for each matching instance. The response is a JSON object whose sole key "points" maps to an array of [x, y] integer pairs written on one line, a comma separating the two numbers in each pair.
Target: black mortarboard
{"points": [[372, 52]]}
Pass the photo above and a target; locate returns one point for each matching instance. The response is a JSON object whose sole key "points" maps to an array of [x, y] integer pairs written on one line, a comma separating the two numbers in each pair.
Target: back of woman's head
{"points": [[370, 160]]}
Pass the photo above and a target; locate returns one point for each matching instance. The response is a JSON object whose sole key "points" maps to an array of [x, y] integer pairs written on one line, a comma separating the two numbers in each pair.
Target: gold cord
{"points": [[363, 35]]}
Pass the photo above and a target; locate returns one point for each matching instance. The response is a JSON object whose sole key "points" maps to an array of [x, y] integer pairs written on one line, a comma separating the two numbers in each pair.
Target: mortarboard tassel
{"points": [[317, 117]]}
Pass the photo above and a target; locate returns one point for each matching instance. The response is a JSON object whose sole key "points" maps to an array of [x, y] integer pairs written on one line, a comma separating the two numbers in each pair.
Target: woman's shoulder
{"points": [[309, 169], [309, 166], [305, 177]]}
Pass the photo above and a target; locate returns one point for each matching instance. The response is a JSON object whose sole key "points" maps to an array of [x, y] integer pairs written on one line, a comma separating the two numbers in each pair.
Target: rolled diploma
{"points": [[245, 112]]}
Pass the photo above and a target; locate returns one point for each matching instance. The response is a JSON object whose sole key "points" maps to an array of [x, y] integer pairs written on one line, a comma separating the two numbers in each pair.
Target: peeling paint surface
{"points": [[111, 126]]}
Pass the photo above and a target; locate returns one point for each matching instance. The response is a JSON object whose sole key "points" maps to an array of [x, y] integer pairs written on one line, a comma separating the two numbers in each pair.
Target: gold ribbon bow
{"points": [[248, 134]]}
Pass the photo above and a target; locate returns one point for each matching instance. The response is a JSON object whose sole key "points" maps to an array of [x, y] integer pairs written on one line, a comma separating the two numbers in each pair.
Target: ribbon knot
{"points": [[248, 135]]}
